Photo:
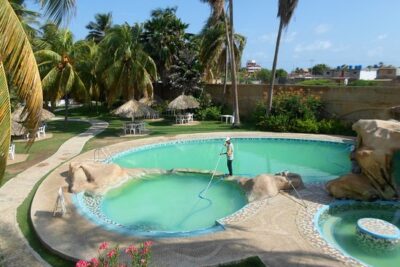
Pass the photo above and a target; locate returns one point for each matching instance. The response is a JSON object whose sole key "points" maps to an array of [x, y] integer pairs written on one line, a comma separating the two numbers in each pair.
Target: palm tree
{"points": [[27, 17], [86, 54], [99, 27], [127, 69], [285, 12], [164, 36], [218, 13], [60, 79], [19, 61], [214, 50]]}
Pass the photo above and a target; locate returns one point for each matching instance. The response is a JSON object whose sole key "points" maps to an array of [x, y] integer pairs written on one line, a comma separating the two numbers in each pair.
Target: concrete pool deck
{"points": [[272, 233]]}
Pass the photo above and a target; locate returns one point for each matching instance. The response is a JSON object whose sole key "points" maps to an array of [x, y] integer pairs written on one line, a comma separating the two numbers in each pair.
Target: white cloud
{"points": [[321, 28], [382, 36], [315, 46], [375, 52]]}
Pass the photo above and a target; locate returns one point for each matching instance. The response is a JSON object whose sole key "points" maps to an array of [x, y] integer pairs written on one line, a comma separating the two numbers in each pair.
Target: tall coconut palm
{"points": [[86, 55], [60, 78], [285, 12], [99, 27], [128, 70], [17, 58], [214, 51], [218, 13]]}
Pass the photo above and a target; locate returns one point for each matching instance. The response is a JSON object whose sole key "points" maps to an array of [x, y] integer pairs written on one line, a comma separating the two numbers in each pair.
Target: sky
{"points": [[352, 32]]}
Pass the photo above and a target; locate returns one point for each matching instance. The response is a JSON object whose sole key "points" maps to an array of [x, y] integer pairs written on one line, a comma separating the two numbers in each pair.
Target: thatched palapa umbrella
{"points": [[18, 129], [132, 109], [183, 102], [16, 115]]}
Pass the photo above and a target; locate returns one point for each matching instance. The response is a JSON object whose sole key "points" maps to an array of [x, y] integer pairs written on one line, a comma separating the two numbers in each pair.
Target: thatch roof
{"points": [[17, 129], [132, 109], [184, 102], [16, 115]]}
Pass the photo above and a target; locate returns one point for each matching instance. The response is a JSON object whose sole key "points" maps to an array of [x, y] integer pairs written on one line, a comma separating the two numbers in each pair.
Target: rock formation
{"points": [[93, 176], [265, 185], [377, 141]]}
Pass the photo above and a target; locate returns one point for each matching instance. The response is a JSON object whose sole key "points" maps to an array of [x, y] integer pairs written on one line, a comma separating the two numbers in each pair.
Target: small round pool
{"points": [[315, 161], [166, 205], [337, 224]]}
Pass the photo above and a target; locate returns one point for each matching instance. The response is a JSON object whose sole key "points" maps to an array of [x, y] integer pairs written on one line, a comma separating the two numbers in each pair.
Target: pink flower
{"points": [[103, 246], [95, 262], [82, 263], [130, 249], [148, 243], [111, 253]]}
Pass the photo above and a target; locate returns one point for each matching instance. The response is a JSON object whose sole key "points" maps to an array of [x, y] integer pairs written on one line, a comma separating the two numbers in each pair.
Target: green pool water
{"points": [[339, 229], [171, 202], [315, 161]]}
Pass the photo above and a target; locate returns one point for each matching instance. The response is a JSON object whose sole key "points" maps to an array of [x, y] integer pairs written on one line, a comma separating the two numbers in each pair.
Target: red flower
{"points": [[103, 246], [130, 249], [148, 243], [95, 262], [82, 263], [111, 253]]}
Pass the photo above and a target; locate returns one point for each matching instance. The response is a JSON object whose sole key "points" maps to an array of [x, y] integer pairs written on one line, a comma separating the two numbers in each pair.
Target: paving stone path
{"points": [[14, 249]]}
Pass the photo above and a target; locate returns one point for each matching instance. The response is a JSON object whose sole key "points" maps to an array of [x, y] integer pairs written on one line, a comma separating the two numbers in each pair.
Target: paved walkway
{"points": [[13, 246]]}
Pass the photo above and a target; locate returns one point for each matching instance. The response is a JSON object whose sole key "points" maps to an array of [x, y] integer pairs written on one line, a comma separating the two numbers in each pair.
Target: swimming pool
{"points": [[315, 161], [337, 224], [164, 205]]}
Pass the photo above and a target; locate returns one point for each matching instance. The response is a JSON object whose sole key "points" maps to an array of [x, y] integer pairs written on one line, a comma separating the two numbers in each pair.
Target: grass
{"points": [[42, 149]]}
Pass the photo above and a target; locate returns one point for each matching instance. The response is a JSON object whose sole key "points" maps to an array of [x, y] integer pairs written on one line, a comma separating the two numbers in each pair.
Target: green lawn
{"points": [[42, 149]]}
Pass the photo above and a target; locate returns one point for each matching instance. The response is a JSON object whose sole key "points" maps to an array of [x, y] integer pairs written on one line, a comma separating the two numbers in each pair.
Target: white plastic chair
{"points": [[11, 151], [41, 131]]}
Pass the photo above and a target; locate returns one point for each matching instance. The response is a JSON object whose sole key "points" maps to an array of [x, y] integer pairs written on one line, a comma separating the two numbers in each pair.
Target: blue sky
{"points": [[353, 32]]}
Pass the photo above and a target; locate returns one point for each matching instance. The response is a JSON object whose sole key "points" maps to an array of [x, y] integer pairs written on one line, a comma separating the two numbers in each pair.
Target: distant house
{"points": [[388, 73], [252, 66], [351, 73]]}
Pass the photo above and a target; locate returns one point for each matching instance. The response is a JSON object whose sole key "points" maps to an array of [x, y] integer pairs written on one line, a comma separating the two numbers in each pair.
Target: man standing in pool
{"points": [[229, 154]]}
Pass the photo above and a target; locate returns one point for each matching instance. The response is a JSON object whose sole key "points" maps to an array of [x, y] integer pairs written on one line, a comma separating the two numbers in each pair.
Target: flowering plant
{"points": [[139, 256]]}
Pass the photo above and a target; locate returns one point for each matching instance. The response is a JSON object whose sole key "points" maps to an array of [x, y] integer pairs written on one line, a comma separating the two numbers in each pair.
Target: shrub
{"points": [[209, 113], [276, 123], [297, 112], [305, 126]]}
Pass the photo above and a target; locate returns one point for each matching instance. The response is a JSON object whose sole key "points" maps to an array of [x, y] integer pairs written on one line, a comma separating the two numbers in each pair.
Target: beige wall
{"points": [[350, 103]]}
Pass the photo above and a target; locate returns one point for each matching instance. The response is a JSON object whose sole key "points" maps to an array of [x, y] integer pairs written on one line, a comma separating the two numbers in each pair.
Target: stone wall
{"points": [[349, 103]]}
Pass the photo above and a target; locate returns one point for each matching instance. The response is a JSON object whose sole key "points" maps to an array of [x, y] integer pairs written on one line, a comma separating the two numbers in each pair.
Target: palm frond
{"points": [[20, 62], [47, 55], [57, 10], [5, 121], [285, 11]]}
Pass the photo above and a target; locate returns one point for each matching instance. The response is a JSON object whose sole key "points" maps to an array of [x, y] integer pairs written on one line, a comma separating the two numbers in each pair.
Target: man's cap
{"points": [[227, 139]]}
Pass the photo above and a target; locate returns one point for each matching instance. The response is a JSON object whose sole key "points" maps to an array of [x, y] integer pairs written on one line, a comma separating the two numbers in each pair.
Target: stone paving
{"points": [[270, 229], [14, 249]]}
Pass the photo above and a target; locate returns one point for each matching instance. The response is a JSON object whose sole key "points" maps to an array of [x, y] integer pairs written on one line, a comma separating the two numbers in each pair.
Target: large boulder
{"points": [[266, 185], [94, 176], [353, 186], [377, 141]]}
